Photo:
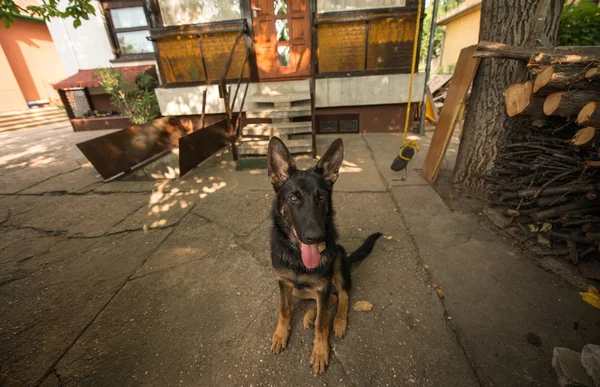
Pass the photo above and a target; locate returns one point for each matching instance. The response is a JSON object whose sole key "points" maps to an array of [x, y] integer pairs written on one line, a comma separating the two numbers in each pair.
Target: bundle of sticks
{"points": [[547, 178]]}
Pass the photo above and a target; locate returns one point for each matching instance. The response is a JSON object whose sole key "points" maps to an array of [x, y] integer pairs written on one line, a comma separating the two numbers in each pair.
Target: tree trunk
{"points": [[487, 125]]}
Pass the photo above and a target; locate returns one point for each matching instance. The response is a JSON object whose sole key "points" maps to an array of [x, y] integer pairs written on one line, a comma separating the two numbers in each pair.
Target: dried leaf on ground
{"points": [[362, 306], [388, 237], [592, 296], [440, 293]]}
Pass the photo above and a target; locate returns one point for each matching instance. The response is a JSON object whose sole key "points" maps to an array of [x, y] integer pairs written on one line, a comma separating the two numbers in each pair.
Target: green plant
{"points": [[137, 101], [579, 24], [76, 9], [444, 7]]}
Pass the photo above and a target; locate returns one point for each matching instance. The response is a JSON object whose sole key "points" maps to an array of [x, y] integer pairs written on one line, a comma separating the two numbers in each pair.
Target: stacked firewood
{"points": [[546, 180]]}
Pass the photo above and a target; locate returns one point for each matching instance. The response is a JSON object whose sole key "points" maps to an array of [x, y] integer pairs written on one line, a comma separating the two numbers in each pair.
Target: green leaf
{"points": [[533, 228], [546, 227], [76, 23]]}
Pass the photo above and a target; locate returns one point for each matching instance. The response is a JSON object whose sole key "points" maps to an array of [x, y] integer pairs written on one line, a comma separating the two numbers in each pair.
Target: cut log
{"points": [[520, 100], [566, 189], [565, 54], [594, 72], [583, 136], [543, 78], [561, 77], [589, 114], [562, 209], [568, 103], [517, 97]]}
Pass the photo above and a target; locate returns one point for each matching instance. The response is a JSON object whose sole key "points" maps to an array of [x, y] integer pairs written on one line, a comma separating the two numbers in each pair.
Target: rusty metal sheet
{"points": [[196, 147], [119, 152]]}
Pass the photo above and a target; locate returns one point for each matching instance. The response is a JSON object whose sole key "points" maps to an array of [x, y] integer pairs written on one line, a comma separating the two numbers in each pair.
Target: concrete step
{"points": [[276, 97], [260, 147], [32, 116], [33, 123], [281, 129], [15, 115], [7, 121], [279, 112]]}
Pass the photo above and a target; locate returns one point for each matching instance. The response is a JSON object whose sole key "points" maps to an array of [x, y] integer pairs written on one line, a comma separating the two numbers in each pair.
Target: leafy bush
{"points": [[137, 101], [579, 24]]}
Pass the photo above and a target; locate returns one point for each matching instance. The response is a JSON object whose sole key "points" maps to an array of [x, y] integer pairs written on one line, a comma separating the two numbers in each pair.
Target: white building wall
{"points": [[82, 48], [330, 92], [87, 46]]}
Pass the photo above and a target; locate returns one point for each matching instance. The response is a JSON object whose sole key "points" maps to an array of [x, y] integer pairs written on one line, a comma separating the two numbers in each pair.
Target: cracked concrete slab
{"points": [[163, 209], [240, 212], [125, 187], [16, 181], [79, 215], [195, 303], [69, 182], [144, 337], [42, 314], [194, 239]]}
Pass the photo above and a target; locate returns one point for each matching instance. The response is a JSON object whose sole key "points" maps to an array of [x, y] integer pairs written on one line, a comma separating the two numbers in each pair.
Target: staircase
{"points": [[279, 107], [31, 118]]}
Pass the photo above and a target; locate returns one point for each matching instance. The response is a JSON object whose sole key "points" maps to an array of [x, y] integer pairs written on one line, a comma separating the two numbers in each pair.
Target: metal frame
{"points": [[233, 126]]}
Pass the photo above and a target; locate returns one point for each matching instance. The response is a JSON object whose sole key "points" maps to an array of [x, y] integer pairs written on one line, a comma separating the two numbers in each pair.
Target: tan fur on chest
{"points": [[313, 283]]}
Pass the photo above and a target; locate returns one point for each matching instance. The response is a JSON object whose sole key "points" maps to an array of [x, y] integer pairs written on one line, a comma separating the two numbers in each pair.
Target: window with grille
{"points": [[337, 123], [129, 29]]}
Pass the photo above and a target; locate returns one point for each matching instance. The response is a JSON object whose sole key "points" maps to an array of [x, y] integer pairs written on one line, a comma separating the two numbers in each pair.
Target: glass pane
{"points": [[128, 17], [349, 5], [283, 31], [179, 12], [348, 125], [135, 42], [328, 126], [280, 7], [284, 55]]}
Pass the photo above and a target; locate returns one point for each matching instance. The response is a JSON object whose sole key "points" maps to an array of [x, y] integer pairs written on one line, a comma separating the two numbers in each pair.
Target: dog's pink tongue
{"points": [[310, 255]]}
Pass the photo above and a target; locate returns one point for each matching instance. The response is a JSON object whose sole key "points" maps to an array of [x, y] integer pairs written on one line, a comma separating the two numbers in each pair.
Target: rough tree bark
{"points": [[487, 125]]}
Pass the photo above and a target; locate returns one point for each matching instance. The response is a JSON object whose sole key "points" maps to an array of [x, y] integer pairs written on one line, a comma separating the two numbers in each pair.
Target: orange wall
{"points": [[11, 97], [33, 58]]}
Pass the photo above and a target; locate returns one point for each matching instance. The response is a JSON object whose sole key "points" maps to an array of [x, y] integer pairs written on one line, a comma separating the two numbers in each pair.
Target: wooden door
{"points": [[281, 38]]}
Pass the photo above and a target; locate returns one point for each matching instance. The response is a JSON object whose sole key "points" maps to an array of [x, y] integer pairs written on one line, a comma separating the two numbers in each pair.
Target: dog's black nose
{"points": [[313, 237]]}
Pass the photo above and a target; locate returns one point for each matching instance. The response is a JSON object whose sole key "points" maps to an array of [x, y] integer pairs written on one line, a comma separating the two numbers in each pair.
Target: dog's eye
{"points": [[293, 198], [321, 196]]}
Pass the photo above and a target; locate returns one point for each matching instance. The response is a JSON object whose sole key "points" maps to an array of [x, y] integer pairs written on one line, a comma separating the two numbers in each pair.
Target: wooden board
{"points": [[438, 81], [461, 83]]}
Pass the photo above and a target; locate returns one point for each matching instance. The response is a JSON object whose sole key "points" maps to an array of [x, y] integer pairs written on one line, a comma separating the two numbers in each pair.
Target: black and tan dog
{"points": [[304, 249]]}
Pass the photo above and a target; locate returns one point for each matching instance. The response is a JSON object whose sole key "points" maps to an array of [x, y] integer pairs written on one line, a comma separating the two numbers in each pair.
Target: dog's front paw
{"points": [[279, 340], [320, 357], [339, 327]]}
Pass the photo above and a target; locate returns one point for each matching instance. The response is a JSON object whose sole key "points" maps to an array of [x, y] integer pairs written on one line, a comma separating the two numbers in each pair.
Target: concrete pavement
{"points": [[169, 282]]}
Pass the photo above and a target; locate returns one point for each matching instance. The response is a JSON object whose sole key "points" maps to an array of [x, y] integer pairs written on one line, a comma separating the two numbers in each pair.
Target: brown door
{"points": [[281, 38]]}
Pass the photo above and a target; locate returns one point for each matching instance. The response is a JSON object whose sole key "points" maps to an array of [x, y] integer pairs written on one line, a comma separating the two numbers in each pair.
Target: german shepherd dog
{"points": [[304, 249]]}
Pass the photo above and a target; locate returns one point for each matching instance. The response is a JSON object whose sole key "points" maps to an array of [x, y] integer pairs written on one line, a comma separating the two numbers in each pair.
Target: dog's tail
{"points": [[365, 249]]}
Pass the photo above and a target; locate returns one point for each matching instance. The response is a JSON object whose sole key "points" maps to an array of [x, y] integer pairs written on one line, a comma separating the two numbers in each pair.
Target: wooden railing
{"points": [[234, 122]]}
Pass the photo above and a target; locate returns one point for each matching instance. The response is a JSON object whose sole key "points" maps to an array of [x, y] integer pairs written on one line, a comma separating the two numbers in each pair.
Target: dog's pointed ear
{"points": [[329, 165], [280, 163]]}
